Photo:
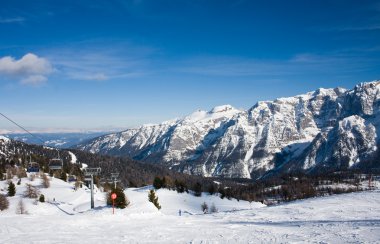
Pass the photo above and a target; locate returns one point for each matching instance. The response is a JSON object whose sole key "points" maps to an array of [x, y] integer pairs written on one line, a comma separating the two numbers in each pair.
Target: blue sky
{"points": [[121, 63]]}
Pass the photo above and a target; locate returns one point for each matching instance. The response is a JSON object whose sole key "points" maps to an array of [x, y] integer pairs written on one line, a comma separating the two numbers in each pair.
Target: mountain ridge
{"points": [[235, 143]]}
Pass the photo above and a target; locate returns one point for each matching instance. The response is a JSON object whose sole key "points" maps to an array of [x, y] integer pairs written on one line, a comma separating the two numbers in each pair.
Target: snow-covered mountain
{"points": [[324, 129]]}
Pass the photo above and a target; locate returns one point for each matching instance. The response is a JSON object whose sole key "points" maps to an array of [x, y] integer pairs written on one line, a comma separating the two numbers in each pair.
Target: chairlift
{"points": [[56, 163], [33, 167], [72, 178]]}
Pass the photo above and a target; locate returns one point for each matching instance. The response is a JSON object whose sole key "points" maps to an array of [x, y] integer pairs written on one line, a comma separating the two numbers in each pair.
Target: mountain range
{"points": [[57, 139], [323, 130]]}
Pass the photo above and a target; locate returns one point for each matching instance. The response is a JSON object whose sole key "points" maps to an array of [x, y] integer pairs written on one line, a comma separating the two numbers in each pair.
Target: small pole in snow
{"points": [[113, 197]]}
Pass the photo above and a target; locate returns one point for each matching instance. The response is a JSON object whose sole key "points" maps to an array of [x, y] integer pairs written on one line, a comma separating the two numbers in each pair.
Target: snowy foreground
{"points": [[343, 218]]}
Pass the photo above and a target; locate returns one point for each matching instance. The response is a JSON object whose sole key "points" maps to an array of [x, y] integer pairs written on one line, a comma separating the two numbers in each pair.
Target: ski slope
{"points": [[345, 218]]}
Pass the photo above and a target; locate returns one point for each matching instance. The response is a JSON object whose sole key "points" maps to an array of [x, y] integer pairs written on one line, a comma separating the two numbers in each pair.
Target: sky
{"points": [[100, 65]]}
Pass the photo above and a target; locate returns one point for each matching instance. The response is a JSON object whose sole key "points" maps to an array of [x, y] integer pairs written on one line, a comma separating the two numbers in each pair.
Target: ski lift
{"points": [[72, 178], [56, 163], [33, 167]]}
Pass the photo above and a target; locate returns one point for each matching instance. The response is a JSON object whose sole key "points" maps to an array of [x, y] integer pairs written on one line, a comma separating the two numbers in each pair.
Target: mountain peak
{"points": [[222, 108]]}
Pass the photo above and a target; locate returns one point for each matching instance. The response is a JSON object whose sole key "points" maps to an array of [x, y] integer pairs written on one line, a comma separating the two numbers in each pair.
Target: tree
{"points": [[63, 176], [154, 199], [11, 189], [212, 189], [213, 209], [21, 208], [21, 172], [45, 181], [4, 203], [197, 189], [180, 186], [121, 200], [204, 207], [42, 198], [31, 191], [157, 183]]}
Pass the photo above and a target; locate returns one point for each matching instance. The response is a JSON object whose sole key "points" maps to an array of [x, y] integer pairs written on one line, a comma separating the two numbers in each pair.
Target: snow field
{"points": [[345, 218]]}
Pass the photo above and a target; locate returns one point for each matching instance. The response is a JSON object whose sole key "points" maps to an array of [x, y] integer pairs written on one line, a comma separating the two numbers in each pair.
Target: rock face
{"points": [[325, 129]]}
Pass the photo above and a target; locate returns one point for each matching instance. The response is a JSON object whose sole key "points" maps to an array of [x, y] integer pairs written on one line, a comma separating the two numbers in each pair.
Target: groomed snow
{"points": [[343, 218]]}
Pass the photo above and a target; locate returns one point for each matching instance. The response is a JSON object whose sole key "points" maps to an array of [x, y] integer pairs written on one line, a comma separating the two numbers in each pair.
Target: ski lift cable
{"points": [[9, 119]]}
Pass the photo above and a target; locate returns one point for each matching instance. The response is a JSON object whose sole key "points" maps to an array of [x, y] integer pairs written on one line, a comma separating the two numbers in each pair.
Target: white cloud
{"points": [[94, 77], [30, 69], [11, 20], [95, 61], [34, 80]]}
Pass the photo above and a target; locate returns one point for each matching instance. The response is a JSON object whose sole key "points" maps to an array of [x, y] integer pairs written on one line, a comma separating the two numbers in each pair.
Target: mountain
{"points": [[328, 129], [57, 140]]}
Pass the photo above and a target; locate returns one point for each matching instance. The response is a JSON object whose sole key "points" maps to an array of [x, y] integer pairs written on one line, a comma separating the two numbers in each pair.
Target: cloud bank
{"points": [[29, 70]]}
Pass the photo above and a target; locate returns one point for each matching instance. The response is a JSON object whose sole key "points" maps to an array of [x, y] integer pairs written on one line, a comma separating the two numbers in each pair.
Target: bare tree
{"points": [[32, 177], [213, 209], [21, 173], [21, 208], [9, 174], [31, 191], [45, 181], [204, 207], [4, 203]]}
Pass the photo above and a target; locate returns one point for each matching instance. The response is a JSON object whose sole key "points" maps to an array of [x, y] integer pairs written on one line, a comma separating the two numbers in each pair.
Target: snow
{"points": [[224, 111], [353, 217], [5, 139], [73, 158]]}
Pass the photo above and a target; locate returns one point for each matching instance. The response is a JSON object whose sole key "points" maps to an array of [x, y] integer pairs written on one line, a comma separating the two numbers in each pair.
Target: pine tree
{"points": [[121, 200], [154, 199], [157, 183], [197, 189], [11, 189], [42, 198]]}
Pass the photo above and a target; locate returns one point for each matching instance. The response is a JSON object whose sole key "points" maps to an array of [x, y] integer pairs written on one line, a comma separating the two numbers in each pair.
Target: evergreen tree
{"points": [[11, 189], [212, 189], [42, 198], [180, 186], [157, 183], [121, 200], [154, 199], [197, 189]]}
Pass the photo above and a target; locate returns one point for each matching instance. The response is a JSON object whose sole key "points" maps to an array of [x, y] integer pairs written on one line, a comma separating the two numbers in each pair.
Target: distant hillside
{"points": [[58, 140]]}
